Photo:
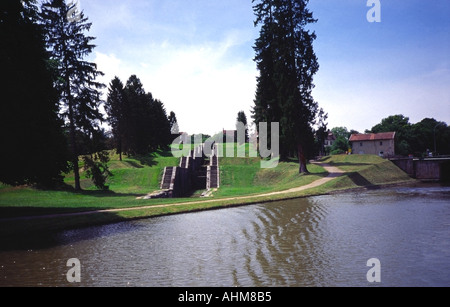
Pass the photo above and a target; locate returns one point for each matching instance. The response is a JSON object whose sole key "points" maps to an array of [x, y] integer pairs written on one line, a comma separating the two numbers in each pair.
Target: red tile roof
{"points": [[372, 137]]}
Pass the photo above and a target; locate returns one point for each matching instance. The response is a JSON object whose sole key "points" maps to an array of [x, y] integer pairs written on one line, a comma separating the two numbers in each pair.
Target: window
{"points": [[361, 144], [381, 143]]}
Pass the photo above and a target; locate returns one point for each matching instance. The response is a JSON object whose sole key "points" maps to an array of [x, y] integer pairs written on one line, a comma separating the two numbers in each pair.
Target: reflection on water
{"points": [[319, 241]]}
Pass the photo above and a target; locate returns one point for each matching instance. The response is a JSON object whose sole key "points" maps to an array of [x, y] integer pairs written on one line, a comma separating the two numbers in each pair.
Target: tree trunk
{"points": [[119, 147], [74, 148], [302, 160], [76, 170]]}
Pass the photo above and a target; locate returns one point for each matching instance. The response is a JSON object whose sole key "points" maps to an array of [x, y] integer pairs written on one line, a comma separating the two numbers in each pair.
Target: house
{"points": [[381, 144], [330, 139]]}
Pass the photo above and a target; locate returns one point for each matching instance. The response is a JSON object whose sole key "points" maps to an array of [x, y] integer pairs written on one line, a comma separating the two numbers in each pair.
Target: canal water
{"points": [[317, 241]]}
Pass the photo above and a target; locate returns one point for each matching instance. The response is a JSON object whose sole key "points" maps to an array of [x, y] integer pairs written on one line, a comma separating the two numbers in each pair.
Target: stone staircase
{"points": [[213, 179], [168, 178], [195, 172]]}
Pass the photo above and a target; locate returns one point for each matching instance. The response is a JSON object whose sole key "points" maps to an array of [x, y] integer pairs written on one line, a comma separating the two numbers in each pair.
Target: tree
{"points": [[79, 90], [287, 64], [161, 129], [31, 134], [96, 167], [174, 128], [426, 132], [402, 128], [341, 132], [145, 124], [321, 133], [115, 108], [242, 118], [341, 145]]}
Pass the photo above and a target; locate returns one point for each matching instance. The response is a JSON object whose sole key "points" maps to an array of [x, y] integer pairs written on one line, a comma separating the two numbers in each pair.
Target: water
{"points": [[319, 241]]}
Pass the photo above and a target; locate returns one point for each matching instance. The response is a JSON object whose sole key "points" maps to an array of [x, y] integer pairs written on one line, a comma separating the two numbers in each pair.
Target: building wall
{"points": [[382, 148]]}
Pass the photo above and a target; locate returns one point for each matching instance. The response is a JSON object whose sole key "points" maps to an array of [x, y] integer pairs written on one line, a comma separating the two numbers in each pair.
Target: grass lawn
{"points": [[245, 177], [139, 176], [365, 171]]}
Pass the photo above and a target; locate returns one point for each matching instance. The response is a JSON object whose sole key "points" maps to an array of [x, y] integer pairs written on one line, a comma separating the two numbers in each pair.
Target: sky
{"points": [[196, 56]]}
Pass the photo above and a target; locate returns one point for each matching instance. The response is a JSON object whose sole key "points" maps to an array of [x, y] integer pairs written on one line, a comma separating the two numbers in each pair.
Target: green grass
{"points": [[137, 176], [133, 175], [245, 177], [365, 171]]}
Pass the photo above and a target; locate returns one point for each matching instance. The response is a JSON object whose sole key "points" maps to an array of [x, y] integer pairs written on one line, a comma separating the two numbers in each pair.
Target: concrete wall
{"points": [[427, 169]]}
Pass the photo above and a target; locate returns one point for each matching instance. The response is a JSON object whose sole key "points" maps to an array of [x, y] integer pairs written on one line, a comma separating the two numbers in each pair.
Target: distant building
{"points": [[330, 139], [381, 144]]}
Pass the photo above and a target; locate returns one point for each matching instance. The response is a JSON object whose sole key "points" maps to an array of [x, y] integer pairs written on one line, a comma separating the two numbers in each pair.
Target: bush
{"points": [[96, 167], [337, 152]]}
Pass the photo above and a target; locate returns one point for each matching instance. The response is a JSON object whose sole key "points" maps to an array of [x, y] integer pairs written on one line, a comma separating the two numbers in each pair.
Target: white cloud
{"points": [[203, 84]]}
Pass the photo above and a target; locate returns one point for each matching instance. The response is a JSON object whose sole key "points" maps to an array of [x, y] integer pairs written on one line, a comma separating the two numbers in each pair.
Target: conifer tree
{"points": [[79, 90], [287, 63], [117, 114], [33, 146]]}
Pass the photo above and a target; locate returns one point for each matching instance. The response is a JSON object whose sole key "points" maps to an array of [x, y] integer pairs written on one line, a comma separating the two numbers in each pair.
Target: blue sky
{"points": [[197, 57]]}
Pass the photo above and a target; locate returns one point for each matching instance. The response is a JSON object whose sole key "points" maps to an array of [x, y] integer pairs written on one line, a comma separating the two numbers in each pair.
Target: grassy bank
{"points": [[242, 182], [365, 171]]}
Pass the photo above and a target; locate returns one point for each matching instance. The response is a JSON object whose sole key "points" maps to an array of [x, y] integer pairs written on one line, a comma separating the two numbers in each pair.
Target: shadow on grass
{"points": [[164, 153], [134, 164], [148, 160], [107, 193], [350, 164], [324, 174], [362, 182]]}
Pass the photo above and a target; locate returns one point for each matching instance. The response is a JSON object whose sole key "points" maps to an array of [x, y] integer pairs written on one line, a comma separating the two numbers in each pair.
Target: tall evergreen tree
{"points": [[161, 130], [147, 126], [174, 128], [242, 118], [80, 96], [287, 63], [116, 110], [138, 121], [31, 134]]}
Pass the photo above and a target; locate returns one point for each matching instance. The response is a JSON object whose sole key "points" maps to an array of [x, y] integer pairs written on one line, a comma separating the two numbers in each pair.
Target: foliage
{"points": [[416, 139], [287, 63], [79, 92], [242, 118], [174, 128], [32, 140], [139, 122], [340, 146], [96, 168], [115, 109]]}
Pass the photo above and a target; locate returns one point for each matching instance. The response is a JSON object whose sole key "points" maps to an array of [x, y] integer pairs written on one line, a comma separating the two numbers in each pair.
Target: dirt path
{"points": [[334, 172]]}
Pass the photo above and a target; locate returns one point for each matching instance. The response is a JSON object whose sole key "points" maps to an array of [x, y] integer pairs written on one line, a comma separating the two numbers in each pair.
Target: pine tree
{"points": [[80, 96], [116, 110], [161, 129], [32, 140], [287, 63], [147, 125], [174, 128], [242, 118], [138, 121]]}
